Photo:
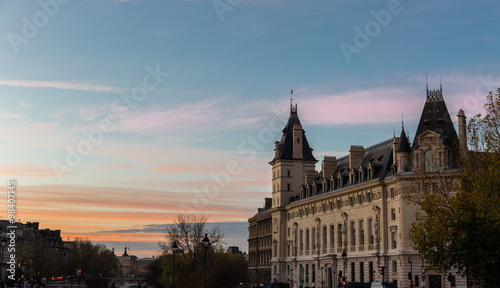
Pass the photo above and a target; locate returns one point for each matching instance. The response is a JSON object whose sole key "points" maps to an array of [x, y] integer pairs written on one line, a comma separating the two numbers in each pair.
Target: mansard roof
{"points": [[378, 156], [286, 142], [435, 117]]}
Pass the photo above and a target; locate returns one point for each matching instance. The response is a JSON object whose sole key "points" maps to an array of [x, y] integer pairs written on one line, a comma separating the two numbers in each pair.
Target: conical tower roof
{"points": [[286, 142], [404, 144]]}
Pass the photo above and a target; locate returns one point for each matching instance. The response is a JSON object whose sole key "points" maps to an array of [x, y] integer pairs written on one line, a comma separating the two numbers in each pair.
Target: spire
{"points": [[404, 145], [291, 99]]}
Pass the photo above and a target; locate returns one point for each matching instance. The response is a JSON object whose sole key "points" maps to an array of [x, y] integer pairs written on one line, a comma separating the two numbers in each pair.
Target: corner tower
{"points": [[292, 158]]}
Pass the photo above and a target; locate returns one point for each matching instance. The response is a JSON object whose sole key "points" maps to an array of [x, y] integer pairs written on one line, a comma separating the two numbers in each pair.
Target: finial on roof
{"points": [[292, 108], [426, 83]]}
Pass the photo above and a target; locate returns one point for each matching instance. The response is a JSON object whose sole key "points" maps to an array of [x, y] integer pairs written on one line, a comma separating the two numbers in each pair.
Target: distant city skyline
{"points": [[119, 114]]}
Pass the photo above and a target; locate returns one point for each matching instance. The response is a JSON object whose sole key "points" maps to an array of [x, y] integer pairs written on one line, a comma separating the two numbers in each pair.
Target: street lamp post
{"points": [[175, 248], [206, 243], [3, 242], [322, 283], [411, 270], [344, 256]]}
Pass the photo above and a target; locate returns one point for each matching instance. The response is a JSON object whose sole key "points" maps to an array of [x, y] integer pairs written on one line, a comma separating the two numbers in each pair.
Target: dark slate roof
{"points": [[404, 144], [435, 117], [380, 157], [286, 143]]}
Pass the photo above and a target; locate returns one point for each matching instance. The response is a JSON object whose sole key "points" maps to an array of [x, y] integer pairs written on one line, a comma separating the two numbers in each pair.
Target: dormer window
{"points": [[369, 171]]}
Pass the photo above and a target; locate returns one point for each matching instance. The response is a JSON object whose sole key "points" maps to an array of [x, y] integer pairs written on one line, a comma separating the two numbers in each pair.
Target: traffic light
{"points": [[381, 270]]}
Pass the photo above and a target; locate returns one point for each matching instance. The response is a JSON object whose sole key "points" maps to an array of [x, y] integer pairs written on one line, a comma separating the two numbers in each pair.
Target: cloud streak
{"points": [[89, 87]]}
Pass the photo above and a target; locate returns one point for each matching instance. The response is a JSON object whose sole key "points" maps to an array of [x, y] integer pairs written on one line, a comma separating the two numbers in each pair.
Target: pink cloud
{"points": [[360, 107]]}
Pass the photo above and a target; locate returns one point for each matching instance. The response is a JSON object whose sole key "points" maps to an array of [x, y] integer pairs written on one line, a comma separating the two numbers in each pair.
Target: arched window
{"points": [[430, 161]]}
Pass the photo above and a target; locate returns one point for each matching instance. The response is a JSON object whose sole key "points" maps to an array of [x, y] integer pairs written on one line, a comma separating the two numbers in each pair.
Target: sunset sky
{"points": [[117, 115]]}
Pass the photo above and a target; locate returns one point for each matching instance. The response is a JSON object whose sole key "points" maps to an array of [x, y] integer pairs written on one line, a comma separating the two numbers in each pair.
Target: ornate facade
{"points": [[351, 218]]}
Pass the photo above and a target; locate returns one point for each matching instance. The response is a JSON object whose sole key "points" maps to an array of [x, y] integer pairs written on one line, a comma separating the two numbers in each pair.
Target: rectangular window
{"points": [[361, 232], [301, 240], [313, 237], [394, 266], [351, 201], [339, 235], [353, 272], [287, 187], [353, 233], [307, 272], [370, 271], [392, 193], [332, 236], [368, 197], [324, 235], [370, 231], [313, 273], [301, 273], [393, 239], [393, 214], [338, 204], [361, 272], [307, 239], [359, 200], [288, 174]]}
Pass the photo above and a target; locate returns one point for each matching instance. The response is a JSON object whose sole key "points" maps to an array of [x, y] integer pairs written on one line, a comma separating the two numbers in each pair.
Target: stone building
{"points": [[350, 219], [259, 245], [27, 234]]}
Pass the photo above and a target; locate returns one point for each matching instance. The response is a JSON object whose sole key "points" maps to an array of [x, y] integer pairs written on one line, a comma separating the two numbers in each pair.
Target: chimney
{"points": [[298, 134], [462, 133], [268, 203], [395, 143], [356, 156], [329, 166], [311, 175]]}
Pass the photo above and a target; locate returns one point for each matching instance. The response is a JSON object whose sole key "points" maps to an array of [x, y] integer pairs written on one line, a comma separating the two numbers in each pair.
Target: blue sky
{"points": [[208, 77]]}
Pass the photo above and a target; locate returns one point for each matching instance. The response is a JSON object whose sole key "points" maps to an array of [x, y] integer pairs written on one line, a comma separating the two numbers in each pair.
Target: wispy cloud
{"points": [[25, 105], [10, 115], [63, 85]]}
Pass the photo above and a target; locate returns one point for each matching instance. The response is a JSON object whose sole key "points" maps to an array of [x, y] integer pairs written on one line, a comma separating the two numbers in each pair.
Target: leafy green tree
{"points": [[459, 222]]}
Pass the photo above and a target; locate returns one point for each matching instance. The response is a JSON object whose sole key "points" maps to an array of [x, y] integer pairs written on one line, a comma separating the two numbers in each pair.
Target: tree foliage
{"points": [[459, 222], [92, 259], [187, 231]]}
